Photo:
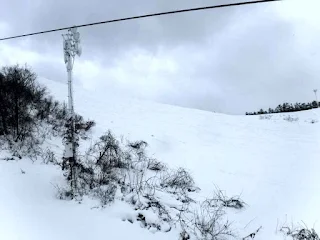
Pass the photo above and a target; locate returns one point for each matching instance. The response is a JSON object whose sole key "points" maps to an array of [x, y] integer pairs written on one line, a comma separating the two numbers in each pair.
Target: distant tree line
{"points": [[287, 107]]}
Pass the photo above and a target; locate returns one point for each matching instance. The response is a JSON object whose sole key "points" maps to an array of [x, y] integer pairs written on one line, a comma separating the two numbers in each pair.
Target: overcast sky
{"points": [[229, 60]]}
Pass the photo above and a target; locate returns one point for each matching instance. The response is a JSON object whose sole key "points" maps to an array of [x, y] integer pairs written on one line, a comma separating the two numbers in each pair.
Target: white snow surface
{"points": [[273, 163]]}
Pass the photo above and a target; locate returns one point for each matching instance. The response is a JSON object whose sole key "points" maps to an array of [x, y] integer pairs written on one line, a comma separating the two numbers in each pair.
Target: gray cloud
{"points": [[230, 60], [111, 38]]}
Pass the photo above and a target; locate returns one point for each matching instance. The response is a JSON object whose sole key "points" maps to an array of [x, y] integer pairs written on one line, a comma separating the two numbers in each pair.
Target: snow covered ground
{"points": [[273, 163]]}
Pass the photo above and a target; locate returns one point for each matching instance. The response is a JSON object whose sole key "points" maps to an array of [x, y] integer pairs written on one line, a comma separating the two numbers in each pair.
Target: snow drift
{"points": [[271, 161]]}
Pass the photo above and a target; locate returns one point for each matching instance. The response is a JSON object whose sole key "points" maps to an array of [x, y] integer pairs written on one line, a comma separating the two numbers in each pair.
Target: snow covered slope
{"points": [[273, 163]]}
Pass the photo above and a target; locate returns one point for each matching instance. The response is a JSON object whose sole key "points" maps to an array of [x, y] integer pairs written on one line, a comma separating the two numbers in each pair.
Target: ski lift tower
{"points": [[71, 48]]}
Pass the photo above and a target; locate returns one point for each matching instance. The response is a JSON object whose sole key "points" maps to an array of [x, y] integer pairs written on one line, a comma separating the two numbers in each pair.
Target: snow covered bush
{"points": [[108, 162], [101, 164], [111, 170]]}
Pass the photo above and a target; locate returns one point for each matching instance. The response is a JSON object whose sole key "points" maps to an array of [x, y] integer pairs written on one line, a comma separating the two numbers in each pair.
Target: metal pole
{"points": [[72, 156], [70, 93], [71, 48]]}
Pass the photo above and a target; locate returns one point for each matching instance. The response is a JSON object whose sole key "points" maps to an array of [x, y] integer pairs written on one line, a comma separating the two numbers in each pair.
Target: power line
{"points": [[142, 16]]}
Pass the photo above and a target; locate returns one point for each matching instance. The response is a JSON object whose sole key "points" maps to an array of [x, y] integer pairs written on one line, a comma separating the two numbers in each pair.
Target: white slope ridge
{"points": [[274, 165]]}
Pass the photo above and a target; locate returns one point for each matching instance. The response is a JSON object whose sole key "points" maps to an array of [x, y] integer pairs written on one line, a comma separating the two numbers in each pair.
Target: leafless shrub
{"points": [[265, 117], [184, 235], [136, 173], [313, 121], [220, 199], [109, 165], [156, 206], [208, 223], [291, 119], [252, 235], [138, 145], [49, 157], [106, 194], [30, 147], [8, 159], [155, 165], [147, 224], [109, 152], [299, 232], [179, 181], [101, 163], [63, 193]]}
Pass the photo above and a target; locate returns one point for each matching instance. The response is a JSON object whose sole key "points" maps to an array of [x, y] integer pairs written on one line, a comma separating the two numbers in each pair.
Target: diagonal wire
{"points": [[141, 16]]}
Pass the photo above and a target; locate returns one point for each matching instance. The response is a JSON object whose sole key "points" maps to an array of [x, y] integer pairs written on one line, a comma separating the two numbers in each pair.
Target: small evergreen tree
{"points": [[314, 104], [278, 109]]}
